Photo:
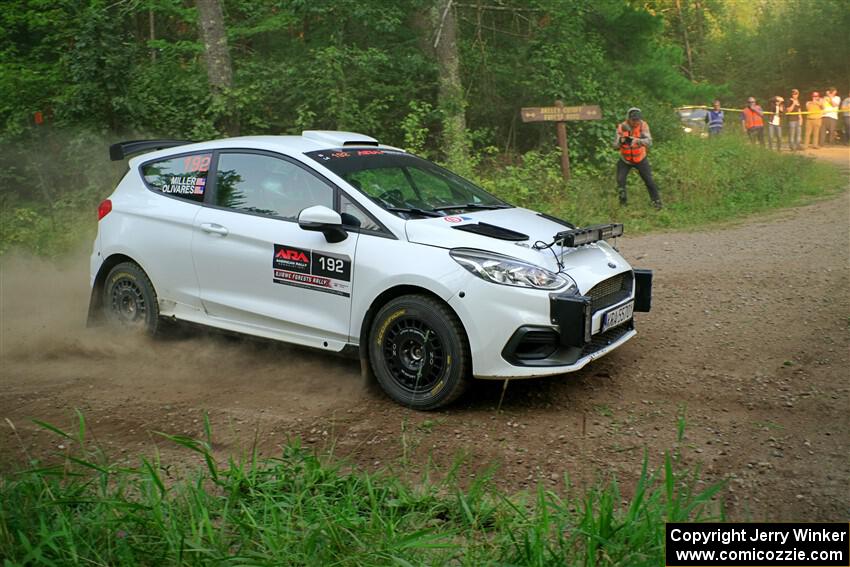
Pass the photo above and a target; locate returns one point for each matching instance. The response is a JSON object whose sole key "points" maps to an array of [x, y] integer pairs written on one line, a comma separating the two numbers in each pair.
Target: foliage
{"points": [[122, 68], [779, 46], [75, 76], [701, 181], [299, 510]]}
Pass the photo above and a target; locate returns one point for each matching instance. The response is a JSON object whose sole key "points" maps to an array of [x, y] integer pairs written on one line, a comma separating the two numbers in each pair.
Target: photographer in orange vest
{"points": [[632, 139], [752, 119]]}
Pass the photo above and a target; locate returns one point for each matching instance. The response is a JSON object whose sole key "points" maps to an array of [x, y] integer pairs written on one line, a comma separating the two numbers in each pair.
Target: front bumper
{"points": [[567, 338]]}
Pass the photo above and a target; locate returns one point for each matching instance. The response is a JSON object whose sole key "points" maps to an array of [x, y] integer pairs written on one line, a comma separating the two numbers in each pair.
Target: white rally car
{"points": [[334, 241]]}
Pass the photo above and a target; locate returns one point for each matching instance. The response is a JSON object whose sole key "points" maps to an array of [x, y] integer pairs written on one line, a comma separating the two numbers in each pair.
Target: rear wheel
{"points": [[129, 299], [419, 352]]}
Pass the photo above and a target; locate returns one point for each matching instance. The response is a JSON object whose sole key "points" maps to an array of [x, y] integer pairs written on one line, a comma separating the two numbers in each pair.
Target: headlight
{"points": [[510, 271]]}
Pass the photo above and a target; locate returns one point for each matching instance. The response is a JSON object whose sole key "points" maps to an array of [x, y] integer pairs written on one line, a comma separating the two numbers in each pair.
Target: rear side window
{"points": [[184, 177]]}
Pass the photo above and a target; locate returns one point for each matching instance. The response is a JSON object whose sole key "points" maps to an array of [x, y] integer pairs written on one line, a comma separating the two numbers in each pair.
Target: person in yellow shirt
{"points": [[813, 122]]}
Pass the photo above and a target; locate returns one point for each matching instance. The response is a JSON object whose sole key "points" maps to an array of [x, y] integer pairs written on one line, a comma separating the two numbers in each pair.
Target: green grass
{"points": [[702, 182], [298, 510]]}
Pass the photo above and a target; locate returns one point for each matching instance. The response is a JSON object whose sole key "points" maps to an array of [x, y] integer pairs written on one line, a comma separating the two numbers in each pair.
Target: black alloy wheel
{"points": [[419, 352], [129, 300], [414, 354]]}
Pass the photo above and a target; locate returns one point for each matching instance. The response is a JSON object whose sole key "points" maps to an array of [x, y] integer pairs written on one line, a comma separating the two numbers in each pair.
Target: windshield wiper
{"points": [[471, 206], [413, 211]]}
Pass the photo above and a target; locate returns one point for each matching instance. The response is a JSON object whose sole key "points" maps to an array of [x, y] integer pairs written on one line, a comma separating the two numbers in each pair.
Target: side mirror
{"points": [[322, 219]]}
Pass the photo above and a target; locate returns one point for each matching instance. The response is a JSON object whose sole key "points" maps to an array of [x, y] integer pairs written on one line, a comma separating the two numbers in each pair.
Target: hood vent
{"points": [[492, 231]]}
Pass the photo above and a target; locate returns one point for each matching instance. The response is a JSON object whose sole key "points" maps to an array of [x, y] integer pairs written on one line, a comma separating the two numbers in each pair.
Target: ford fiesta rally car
{"points": [[334, 241]]}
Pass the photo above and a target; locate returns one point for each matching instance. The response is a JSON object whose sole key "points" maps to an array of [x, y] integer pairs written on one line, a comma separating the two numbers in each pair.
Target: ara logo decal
{"points": [[291, 258], [453, 219], [290, 254]]}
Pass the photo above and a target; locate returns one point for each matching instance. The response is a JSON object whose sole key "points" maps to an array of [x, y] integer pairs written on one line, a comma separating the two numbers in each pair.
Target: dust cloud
{"points": [[44, 339]]}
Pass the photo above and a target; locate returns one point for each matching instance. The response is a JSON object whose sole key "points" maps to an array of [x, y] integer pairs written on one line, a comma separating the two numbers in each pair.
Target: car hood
{"points": [[587, 265]]}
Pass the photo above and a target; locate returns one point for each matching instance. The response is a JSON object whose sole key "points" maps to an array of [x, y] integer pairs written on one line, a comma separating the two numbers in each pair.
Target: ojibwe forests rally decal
{"points": [[312, 269]]}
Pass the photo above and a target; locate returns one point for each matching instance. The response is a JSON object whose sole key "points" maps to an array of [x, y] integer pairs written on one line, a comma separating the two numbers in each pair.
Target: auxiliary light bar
{"points": [[588, 234]]}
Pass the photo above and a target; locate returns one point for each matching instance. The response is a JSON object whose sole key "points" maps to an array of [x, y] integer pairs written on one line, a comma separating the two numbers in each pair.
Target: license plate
{"points": [[618, 316]]}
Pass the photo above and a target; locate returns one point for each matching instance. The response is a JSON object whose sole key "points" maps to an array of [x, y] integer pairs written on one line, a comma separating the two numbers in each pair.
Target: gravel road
{"points": [[749, 340]]}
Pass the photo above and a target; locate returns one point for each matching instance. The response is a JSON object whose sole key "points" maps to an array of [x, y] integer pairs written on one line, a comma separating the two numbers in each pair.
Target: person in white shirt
{"points": [[829, 126], [845, 116]]}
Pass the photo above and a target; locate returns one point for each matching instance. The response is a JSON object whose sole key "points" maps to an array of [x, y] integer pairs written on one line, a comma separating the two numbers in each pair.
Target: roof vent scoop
{"points": [[339, 139]]}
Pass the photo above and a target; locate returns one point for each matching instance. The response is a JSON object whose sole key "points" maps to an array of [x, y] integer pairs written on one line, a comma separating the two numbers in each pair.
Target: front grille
{"points": [[602, 340], [610, 291]]}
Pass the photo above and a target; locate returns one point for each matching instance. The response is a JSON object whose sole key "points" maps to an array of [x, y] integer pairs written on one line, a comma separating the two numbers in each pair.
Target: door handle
{"points": [[212, 228]]}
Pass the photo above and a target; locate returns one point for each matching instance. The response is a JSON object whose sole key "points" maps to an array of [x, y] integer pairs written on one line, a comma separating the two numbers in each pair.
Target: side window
{"points": [[267, 185], [184, 177], [346, 206]]}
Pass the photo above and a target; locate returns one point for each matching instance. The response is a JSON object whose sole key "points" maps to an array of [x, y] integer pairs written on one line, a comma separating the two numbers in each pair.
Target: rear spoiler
{"points": [[121, 150]]}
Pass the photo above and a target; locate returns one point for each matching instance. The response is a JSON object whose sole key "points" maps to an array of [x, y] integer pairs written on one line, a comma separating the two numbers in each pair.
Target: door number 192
{"points": [[332, 264]]}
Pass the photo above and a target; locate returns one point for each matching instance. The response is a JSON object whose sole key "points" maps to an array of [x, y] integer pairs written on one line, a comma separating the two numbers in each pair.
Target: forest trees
{"points": [[217, 59], [443, 77]]}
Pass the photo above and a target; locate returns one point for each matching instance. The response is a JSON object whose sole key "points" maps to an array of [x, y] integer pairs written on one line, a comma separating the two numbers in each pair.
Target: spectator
{"points": [[632, 139], [828, 132], [774, 125], [794, 120], [714, 119], [752, 119], [845, 116], [814, 108]]}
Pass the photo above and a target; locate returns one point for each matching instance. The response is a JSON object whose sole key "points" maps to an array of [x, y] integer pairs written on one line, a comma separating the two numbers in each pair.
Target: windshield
{"points": [[405, 184]]}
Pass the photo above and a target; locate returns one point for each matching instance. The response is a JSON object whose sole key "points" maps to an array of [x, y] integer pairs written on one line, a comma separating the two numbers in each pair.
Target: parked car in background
{"points": [[693, 121]]}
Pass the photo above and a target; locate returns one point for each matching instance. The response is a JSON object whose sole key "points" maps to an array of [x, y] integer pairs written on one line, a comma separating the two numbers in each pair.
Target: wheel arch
{"points": [[385, 297], [96, 298]]}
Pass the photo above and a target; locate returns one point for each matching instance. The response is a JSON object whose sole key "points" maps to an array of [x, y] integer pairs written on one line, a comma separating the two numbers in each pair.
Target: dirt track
{"points": [[749, 337]]}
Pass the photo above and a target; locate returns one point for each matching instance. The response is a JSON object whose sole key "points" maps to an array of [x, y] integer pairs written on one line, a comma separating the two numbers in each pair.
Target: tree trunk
{"points": [[450, 97], [684, 26], [217, 58], [152, 30]]}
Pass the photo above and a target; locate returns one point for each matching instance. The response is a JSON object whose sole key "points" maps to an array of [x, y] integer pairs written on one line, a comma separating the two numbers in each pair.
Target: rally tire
{"points": [[129, 299], [419, 352]]}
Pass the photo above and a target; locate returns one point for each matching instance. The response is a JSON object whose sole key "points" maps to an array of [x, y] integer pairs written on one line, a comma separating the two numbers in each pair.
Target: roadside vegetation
{"points": [[297, 509], [702, 181]]}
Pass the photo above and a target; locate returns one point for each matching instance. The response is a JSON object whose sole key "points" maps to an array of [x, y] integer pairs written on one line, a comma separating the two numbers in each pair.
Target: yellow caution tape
{"points": [[766, 111]]}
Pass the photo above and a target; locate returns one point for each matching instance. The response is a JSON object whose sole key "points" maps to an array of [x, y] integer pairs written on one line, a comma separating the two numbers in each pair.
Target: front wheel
{"points": [[129, 299], [419, 352]]}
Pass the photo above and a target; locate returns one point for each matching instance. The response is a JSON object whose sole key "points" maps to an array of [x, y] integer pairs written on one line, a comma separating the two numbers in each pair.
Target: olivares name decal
{"points": [[312, 269]]}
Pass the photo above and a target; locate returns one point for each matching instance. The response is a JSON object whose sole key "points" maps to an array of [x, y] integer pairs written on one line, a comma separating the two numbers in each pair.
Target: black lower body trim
{"points": [[643, 290], [543, 346]]}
